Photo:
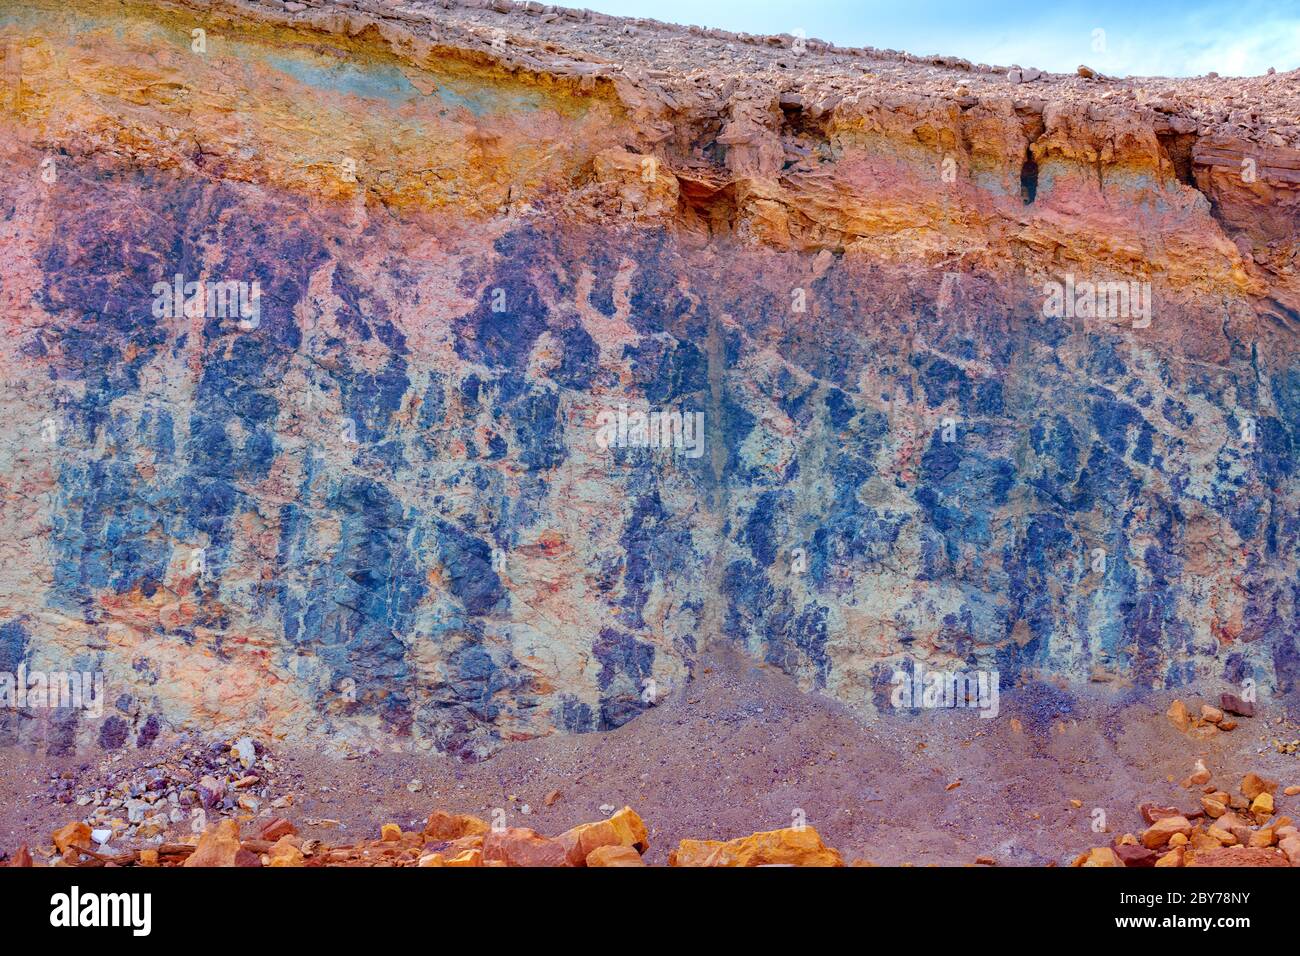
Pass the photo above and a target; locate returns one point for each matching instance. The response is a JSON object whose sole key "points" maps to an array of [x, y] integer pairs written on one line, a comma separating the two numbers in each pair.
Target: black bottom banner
{"points": [[147, 906]]}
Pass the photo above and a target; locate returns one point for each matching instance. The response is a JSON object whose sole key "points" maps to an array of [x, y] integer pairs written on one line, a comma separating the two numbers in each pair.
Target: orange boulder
{"points": [[520, 846], [1252, 785], [470, 856], [625, 828], [795, 846], [285, 852], [1099, 856], [465, 851], [1290, 845], [1174, 857], [1158, 834], [610, 855], [218, 846], [74, 834], [452, 826], [1177, 714]]}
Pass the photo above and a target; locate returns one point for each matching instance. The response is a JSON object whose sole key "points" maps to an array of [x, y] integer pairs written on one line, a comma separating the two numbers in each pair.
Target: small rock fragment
{"points": [[1158, 834], [244, 750], [1177, 714], [1136, 856], [218, 846], [452, 826], [1262, 805], [74, 834], [1174, 857], [285, 853], [1252, 785], [274, 829], [1101, 856], [1235, 705]]}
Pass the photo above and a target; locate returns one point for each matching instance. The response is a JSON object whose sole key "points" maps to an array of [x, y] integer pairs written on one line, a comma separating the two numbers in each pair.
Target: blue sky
{"points": [[1139, 37]]}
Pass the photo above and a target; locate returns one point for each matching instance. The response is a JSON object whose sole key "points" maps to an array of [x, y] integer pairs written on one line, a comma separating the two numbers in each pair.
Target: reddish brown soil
{"points": [[743, 749]]}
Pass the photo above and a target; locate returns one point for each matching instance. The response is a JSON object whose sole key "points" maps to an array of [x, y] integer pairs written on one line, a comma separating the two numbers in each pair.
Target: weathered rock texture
{"points": [[383, 506]]}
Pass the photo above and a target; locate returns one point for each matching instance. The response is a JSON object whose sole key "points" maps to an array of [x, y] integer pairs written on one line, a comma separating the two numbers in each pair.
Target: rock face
{"points": [[330, 332]]}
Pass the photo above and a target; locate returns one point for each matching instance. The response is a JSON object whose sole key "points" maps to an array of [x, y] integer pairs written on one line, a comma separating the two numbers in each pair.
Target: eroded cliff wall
{"points": [[371, 492]]}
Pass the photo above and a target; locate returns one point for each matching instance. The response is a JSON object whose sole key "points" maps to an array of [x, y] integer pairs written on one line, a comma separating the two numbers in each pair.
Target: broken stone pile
{"points": [[1227, 829], [1212, 720], [186, 790], [447, 839]]}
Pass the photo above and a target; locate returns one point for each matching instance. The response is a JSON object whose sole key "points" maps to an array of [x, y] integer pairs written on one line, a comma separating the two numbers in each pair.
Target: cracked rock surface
{"points": [[353, 486]]}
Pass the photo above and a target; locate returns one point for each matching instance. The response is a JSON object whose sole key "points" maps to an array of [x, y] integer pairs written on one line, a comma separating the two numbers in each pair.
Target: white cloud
{"points": [[1143, 37], [1189, 48]]}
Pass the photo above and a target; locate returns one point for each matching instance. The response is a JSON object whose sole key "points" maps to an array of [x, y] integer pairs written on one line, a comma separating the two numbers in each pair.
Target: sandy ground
{"points": [[742, 749]]}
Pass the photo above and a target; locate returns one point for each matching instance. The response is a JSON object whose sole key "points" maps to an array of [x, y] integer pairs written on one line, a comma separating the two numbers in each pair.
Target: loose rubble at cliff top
{"points": [[693, 67]]}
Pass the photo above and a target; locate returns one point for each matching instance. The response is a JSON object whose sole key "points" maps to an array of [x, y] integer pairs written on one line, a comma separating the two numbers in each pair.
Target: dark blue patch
{"points": [[760, 529], [14, 644], [468, 563], [579, 360], [502, 328], [839, 408], [625, 664]]}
